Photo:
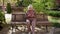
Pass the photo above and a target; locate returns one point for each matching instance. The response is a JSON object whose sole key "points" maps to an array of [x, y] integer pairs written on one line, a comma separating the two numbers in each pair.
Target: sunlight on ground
{"points": [[22, 28]]}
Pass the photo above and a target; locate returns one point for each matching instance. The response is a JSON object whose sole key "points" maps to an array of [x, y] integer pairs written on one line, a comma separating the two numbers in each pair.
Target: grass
{"points": [[53, 19]]}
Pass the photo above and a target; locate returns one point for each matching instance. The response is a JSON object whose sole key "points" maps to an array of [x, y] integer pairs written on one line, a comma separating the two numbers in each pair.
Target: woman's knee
{"points": [[27, 20]]}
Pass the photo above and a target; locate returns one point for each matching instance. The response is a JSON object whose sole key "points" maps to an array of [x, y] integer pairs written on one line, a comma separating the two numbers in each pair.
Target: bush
{"points": [[19, 3], [42, 5], [53, 13], [27, 2], [2, 18], [9, 10], [39, 6], [50, 4], [57, 25], [24, 3]]}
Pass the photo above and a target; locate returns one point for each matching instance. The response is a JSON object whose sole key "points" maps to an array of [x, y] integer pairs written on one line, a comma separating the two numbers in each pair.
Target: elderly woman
{"points": [[31, 18]]}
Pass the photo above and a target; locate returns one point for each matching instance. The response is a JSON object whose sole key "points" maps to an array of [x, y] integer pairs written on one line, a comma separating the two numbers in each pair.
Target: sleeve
{"points": [[35, 13]]}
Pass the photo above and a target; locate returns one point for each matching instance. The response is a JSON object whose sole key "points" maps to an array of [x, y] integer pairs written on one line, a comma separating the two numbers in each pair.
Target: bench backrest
{"points": [[21, 17]]}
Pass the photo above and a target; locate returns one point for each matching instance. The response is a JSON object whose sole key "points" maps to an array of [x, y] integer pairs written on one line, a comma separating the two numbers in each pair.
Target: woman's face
{"points": [[30, 8]]}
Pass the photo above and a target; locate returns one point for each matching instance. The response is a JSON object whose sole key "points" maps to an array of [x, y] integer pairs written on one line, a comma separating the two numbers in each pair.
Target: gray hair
{"points": [[30, 6]]}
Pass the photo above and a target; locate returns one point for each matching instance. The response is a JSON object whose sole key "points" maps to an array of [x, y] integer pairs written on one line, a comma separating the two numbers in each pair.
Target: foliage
{"points": [[57, 25], [53, 19], [2, 18], [9, 10], [39, 5], [53, 13], [23, 2], [42, 5], [27, 2], [19, 3], [50, 4]]}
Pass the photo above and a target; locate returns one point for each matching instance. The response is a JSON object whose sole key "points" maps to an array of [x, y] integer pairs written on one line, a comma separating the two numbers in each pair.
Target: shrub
{"points": [[53, 13], [50, 4], [27, 2], [42, 5], [57, 25], [9, 10], [2, 18], [23, 3], [39, 6], [19, 3]]}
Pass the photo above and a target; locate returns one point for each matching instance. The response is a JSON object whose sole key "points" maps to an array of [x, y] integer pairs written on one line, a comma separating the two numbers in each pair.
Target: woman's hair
{"points": [[30, 6]]}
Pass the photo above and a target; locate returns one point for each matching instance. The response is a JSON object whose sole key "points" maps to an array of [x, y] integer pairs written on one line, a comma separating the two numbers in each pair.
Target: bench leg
{"points": [[46, 28]]}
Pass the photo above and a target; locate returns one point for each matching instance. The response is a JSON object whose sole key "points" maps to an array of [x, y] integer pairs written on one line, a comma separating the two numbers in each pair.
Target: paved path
{"points": [[6, 31]]}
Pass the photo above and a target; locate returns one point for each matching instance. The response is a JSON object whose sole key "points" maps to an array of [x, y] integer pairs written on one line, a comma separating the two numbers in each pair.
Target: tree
{"points": [[27, 2], [42, 5], [39, 5], [50, 4], [19, 3]]}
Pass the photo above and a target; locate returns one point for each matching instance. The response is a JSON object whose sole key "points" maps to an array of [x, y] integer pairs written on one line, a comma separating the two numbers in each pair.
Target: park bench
{"points": [[41, 20]]}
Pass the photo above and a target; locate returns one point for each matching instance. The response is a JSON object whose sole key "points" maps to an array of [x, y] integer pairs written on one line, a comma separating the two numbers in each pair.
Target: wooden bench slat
{"points": [[39, 22]]}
